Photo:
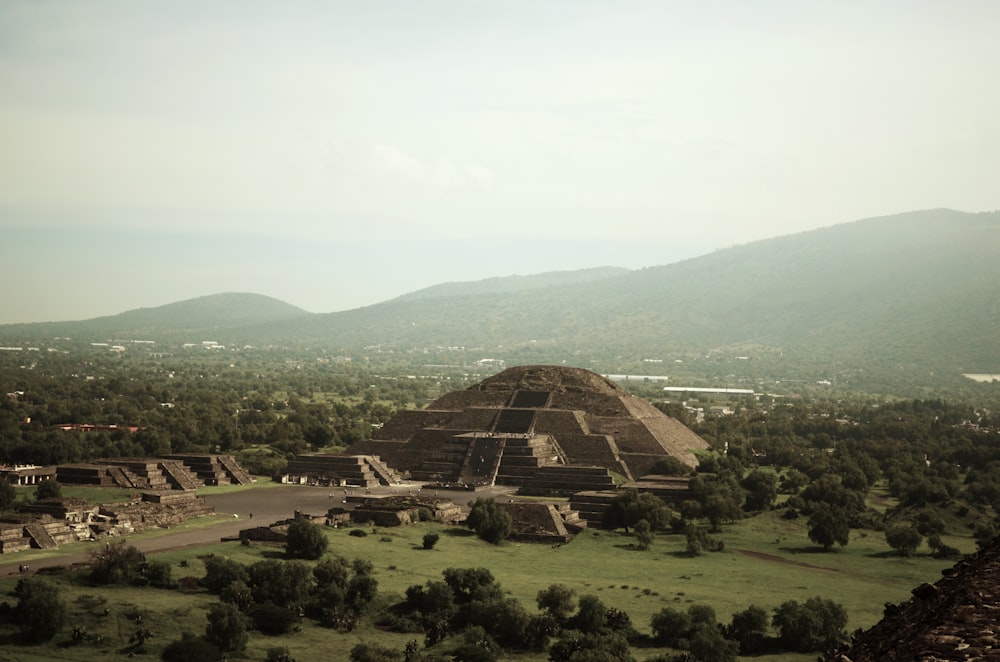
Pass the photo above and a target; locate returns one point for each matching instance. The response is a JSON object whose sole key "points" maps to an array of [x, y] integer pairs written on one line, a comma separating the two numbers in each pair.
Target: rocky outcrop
{"points": [[956, 618]]}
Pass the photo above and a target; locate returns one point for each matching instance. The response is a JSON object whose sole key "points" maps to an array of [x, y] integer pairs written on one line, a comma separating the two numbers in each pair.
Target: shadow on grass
{"points": [[889, 554], [632, 547], [458, 532], [683, 554]]}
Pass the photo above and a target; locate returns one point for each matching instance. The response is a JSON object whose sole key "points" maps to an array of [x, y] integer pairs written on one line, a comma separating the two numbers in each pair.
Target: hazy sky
{"points": [[336, 154]]}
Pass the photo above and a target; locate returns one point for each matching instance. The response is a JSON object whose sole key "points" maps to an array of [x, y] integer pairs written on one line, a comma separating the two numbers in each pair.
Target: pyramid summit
{"points": [[506, 428]]}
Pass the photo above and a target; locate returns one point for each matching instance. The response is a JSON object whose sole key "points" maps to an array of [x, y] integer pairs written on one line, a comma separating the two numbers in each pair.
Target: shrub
{"points": [[226, 628], [430, 539], [40, 611], [190, 649], [816, 625], [904, 538], [118, 563], [272, 619], [489, 522], [220, 572], [48, 489], [306, 540]]}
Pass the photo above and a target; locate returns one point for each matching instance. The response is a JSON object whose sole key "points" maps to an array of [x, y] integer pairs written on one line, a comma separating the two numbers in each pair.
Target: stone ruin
{"points": [[385, 511], [169, 472], [50, 523], [549, 429], [956, 618]]}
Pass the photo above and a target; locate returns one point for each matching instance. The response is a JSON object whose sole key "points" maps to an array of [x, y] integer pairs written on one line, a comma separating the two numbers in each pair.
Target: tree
{"points": [[306, 540], [670, 627], [430, 539], [226, 628], [8, 495], [117, 563], [816, 625], [271, 619], [591, 615], [468, 584], [477, 646], [749, 629], [591, 647], [48, 489], [708, 644], [558, 600], [238, 594], [40, 611], [829, 525], [630, 506], [489, 522], [333, 571], [190, 649], [361, 590], [644, 535], [762, 489], [904, 538], [220, 572], [285, 583]]}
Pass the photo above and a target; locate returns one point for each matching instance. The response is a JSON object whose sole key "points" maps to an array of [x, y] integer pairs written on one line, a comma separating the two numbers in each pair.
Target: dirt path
{"points": [[781, 559]]}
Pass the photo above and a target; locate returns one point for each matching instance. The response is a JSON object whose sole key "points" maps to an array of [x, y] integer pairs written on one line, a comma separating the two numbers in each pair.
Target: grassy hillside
{"points": [[767, 561]]}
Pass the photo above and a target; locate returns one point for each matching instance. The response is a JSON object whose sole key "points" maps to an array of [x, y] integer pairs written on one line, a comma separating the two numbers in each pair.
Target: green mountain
{"points": [[508, 284], [917, 292], [921, 287], [228, 311]]}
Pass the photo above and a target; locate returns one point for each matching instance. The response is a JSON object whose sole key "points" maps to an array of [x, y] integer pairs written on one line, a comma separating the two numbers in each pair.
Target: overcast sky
{"points": [[337, 154]]}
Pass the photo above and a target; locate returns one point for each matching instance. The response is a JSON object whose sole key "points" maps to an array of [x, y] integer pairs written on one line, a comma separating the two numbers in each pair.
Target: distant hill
{"points": [[508, 284], [916, 291], [232, 310]]}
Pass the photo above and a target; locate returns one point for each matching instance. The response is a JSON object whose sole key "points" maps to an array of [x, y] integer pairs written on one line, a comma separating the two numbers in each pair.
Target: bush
{"points": [[226, 628], [272, 619], [904, 538], [40, 612], [118, 563], [367, 652], [220, 572], [190, 649], [48, 489], [306, 540], [489, 522], [279, 654], [430, 539], [817, 625], [749, 629]]}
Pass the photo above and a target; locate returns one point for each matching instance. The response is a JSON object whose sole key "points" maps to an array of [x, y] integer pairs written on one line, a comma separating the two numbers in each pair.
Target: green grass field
{"points": [[767, 560]]}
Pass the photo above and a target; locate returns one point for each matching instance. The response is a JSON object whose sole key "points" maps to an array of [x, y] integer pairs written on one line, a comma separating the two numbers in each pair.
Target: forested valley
{"points": [[902, 474]]}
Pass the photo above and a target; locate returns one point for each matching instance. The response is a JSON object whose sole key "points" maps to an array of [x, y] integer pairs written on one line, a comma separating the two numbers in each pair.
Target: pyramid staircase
{"points": [[444, 464], [385, 475], [180, 476], [237, 474], [40, 537], [591, 505], [523, 456]]}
